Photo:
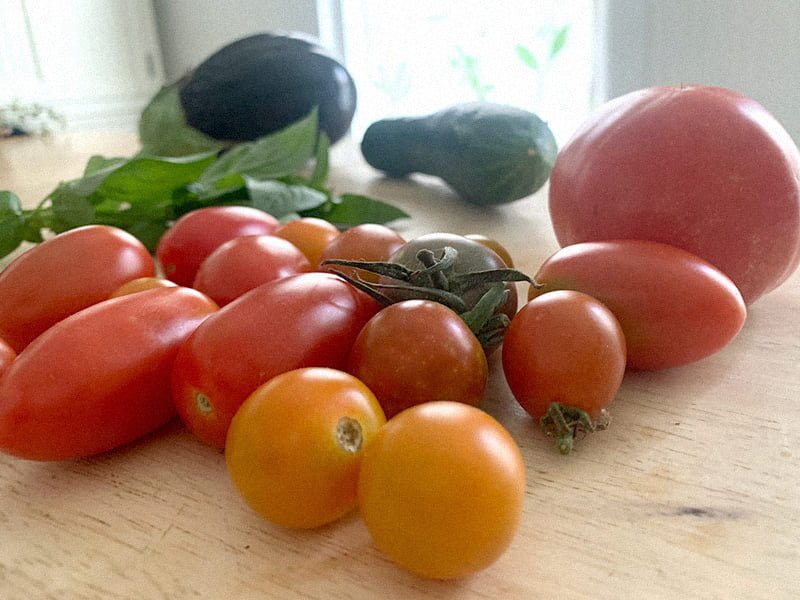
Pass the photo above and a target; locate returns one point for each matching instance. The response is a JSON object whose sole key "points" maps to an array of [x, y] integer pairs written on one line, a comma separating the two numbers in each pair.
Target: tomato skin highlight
{"points": [[294, 447], [304, 320], [702, 168], [100, 378], [674, 307], [65, 274], [418, 351], [7, 356], [441, 489], [564, 347], [195, 235]]}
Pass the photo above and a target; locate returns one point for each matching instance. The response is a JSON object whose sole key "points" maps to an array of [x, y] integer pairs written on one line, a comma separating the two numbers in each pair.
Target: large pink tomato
{"points": [[702, 168]]}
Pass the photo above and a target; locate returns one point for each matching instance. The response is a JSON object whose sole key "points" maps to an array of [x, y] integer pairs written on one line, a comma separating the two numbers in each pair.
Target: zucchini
{"points": [[487, 153]]}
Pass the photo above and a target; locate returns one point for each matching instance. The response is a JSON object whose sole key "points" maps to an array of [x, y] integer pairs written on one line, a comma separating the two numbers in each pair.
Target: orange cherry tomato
{"points": [[493, 244], [441, 489], [294, 447], [368, 242], [140, 284], [310, 234]]}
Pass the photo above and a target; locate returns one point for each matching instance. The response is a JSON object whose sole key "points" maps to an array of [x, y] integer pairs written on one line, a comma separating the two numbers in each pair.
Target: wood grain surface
{"points": [[693, 492]]}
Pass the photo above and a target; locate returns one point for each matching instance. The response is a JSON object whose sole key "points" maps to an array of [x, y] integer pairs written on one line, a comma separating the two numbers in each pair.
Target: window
{"points": [[419, 56]]}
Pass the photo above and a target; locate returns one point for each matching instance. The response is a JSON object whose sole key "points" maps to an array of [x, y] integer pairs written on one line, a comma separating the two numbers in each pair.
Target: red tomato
{"points": [[674, 307], [65, 274], [245, 262], [304, 320], [294, 447], [368, 242], [701, 168], [100, 378], [185, 245], [418, 351], [7, 356], [564, 351], [441, 489]]}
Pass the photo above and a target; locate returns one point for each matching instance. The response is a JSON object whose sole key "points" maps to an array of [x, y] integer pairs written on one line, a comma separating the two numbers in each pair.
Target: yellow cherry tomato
{"points": [[441, 489]]}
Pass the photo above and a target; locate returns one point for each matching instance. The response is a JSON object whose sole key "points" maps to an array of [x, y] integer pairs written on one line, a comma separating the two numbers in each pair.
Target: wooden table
{"points": [[693, 492]]}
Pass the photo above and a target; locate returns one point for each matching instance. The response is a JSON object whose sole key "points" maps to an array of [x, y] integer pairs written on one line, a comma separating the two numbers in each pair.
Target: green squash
{"points": [[487, 153]]}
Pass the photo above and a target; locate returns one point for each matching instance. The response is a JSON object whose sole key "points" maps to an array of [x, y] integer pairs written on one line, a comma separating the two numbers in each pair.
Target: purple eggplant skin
{"points": [[265, 82]]}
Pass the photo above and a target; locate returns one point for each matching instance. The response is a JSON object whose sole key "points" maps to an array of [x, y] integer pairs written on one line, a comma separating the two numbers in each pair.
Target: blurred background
{"points": [[94, 64]]}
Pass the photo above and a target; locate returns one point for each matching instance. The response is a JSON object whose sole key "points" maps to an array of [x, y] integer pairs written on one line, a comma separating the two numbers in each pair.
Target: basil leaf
{"points": [[280, 199], [269, 157], [163, 130], [355, 209], [11, 222]]}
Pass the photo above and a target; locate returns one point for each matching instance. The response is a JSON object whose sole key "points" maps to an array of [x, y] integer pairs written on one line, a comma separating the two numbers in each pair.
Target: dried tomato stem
{"points": [[565, 423]]}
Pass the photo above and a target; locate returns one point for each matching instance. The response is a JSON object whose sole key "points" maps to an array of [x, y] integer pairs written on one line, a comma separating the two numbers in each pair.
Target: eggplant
{"points": [[262, 83]]}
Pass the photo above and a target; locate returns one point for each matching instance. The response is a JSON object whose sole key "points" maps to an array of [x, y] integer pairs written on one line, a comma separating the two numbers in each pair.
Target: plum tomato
{"points": [[310, 234], [245, 262], [564, 360], [141, 284], [99, 378], [64, 275], [368, 242], [674, 307], [304, 320], [702, 168], [186, 244], [441, 489], [294, 447], [418, 351]]}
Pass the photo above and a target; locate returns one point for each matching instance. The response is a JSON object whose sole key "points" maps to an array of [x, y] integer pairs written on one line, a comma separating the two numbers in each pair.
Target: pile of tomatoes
{"points": [[344, 369]]}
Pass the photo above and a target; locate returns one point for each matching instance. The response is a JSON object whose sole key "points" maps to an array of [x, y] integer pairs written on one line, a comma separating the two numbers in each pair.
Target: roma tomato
{"points": [[65, 274], [141, 284], [493, 245], [294, 447], [674, 307], [304, 320], [418, 351], [310, 234], [441, 489], [368, 242], [702, 168], [7, 356], [78, 389], [564, 353], [245, 262], [186, 244]]}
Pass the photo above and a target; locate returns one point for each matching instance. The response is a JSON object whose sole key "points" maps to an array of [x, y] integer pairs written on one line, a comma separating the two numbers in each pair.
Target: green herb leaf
{"points": [[163, 130], [527, 57], [11, 223], [280, 199], [559, 41], [355, 209], [276, 155]]}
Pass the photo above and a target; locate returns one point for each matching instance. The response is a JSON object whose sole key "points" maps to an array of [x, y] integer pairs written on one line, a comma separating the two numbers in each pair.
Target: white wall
{"points": [[191, 30], [747, 45]]}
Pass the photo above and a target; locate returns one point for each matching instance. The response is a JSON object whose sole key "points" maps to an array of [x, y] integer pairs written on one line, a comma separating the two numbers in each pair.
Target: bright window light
{"points": [[418, 56]]}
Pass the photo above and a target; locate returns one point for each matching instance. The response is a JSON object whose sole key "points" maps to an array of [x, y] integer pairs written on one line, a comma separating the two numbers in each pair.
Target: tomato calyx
{"points": [[567, 424], [438, 281]]}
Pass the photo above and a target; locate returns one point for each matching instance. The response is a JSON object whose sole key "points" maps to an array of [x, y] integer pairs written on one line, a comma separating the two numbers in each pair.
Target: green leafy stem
{"points": [[145, 194]]}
